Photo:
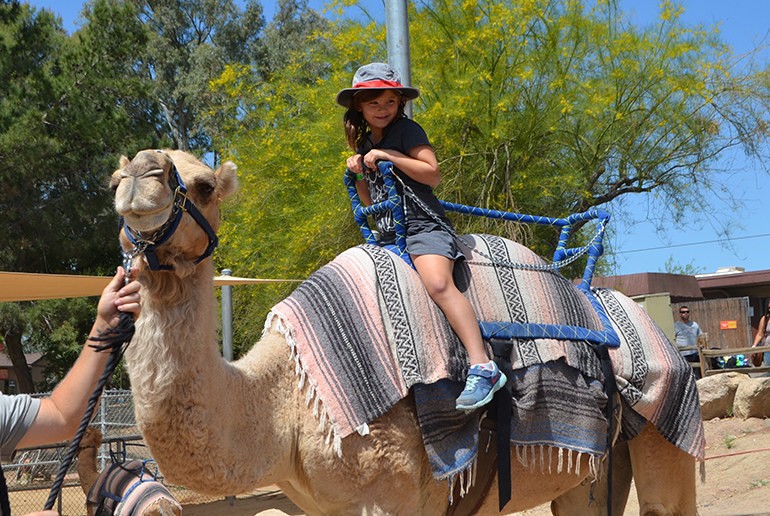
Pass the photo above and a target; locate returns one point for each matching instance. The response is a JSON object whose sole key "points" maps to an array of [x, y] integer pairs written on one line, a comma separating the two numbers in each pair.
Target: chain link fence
{"points": [[31, 474]]}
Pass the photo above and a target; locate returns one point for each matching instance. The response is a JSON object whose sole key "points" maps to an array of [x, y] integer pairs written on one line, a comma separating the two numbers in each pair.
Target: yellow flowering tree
{"points": [[550, 107], [547, 107], [292, 213]]}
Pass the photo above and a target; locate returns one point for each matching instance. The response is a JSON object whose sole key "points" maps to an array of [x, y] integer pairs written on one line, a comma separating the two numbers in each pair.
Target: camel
{"points": [[162, 505], [222, 428], [88, 471]]}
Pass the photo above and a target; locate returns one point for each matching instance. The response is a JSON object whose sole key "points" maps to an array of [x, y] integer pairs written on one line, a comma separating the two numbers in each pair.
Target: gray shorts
{"points": [[434, 242]]}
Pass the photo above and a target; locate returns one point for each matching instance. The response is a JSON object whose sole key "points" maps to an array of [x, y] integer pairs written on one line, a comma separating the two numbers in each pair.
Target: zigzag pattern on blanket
{"points": [[653, 378], [363, 331]]}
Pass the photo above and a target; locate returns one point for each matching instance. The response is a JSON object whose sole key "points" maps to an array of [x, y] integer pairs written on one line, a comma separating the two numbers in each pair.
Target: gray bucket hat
{"points": [[376, 76]]}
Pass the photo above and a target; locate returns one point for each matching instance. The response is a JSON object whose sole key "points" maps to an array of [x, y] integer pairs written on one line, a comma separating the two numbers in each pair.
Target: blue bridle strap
{"points": [[182, 204]]}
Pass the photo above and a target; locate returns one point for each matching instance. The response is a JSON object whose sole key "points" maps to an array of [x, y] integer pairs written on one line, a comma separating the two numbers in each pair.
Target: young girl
{"points": [[377, 130]]}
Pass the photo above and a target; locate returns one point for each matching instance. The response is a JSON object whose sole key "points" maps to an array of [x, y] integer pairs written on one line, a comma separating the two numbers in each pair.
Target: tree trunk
{"points": [[16, 353]]}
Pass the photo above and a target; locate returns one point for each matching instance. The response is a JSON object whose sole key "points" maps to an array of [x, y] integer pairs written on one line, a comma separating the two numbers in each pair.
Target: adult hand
{"points": [[118, 298]]}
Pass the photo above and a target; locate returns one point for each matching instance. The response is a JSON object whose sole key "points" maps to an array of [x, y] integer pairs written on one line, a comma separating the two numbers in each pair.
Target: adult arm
{"points": [[60, 415]]}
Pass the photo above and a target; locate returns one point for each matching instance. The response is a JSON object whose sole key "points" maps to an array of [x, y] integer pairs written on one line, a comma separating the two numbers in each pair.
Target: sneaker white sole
{"points": [[496, 387]]}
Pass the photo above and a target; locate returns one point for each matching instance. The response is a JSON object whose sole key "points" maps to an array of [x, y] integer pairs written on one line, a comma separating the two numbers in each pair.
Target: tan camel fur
{"points": [[89, 474], [87, 468], [224, 428]]}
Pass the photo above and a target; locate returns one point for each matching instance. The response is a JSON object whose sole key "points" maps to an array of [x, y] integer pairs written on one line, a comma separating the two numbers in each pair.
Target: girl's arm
{"points": [[363, 192], [355, 164], [421, 163]]}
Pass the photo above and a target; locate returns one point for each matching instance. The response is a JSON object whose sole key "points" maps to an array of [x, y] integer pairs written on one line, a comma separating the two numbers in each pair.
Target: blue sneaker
{"points": [[480, 387]]}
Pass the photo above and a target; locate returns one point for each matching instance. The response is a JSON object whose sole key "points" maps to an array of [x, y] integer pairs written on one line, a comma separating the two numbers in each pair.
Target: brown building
{"points": [[8, 378], [726, 304]]}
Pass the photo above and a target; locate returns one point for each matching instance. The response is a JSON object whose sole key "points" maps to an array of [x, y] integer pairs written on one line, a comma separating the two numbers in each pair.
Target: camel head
{"points": [[176, 230]]}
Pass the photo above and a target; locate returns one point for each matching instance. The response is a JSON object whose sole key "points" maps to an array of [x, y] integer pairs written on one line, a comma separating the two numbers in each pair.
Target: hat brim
{"points": [[345, 96]]}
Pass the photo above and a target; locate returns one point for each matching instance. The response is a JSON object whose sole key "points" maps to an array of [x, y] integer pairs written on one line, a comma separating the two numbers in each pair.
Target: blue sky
{"points": [[640, 247]]}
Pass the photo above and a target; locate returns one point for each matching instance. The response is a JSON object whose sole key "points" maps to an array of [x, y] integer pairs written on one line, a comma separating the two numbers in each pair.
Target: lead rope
{"points": [[495, 261], [115, 339]]}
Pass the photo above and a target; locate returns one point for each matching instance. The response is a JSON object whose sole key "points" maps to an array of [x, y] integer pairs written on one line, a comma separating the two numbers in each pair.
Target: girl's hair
{"points": [[355, 123]]}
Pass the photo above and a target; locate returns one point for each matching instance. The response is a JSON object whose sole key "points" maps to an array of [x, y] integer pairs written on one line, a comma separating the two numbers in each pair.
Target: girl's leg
{"points": [[436, 274], [484, 378]]}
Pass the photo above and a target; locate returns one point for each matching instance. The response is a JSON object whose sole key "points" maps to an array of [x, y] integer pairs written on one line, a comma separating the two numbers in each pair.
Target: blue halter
{"points": [[182, 204]]}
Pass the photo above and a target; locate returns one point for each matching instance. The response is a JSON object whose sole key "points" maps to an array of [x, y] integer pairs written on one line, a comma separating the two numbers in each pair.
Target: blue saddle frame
{"points": [[501, 330]]}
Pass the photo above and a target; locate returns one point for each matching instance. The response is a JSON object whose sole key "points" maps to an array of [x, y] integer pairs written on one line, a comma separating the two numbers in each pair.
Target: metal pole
{"points": [[227, 330], [397, 28], [227, 318]]}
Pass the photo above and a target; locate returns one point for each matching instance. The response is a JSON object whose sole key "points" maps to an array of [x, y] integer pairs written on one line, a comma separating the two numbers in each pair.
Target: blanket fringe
{"points": [[333, 437], [529, 455], [466, 478]]}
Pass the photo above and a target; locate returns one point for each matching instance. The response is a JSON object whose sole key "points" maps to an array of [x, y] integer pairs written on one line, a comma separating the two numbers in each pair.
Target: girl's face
{"points": [[380, 112]]}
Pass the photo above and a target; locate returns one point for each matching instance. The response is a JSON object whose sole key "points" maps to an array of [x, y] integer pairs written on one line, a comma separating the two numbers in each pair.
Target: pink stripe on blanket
{"points": [[364, 331]]}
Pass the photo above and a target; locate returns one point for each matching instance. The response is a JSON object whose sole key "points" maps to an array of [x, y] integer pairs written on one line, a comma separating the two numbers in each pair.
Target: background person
{"points": [[763, 337], [687, 332], [28, 422]]}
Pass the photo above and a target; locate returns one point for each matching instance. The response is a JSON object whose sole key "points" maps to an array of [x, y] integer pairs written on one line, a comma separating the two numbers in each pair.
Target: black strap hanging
{"points": [[500, 409]]}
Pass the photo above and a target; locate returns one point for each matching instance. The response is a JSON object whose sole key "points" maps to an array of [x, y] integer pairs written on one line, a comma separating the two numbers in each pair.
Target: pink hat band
{"points": [[377, 83], [375, 76]]}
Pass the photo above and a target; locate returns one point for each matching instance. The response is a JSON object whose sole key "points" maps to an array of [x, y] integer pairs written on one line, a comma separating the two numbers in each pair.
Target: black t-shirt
{"points": [[403, 135]]}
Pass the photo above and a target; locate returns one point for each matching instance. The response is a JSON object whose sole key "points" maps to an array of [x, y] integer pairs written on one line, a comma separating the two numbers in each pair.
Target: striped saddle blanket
{"points": [[127, 489], [364, 332]]}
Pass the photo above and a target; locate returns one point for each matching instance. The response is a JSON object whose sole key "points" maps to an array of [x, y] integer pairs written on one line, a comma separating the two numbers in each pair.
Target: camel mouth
{"points": [[146, 223]]}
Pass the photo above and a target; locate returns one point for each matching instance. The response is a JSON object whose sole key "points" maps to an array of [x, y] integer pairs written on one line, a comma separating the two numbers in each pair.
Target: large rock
{"points": [[717, 394], [752, 398]]}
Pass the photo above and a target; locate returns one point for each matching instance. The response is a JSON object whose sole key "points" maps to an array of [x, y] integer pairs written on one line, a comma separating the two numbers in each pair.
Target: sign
{"points": [[728, 325], [3, 374]]}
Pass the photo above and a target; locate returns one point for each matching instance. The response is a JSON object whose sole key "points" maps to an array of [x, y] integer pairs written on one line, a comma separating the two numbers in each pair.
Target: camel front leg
{"points": [[664, 475]]}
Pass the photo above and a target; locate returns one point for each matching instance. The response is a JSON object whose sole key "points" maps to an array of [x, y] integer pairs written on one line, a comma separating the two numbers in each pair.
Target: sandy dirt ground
{"points": [[737, 481], [737, 478]]}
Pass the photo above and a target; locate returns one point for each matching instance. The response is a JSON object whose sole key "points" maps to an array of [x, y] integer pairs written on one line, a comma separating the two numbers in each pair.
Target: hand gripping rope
{"points": [[115, 340]]}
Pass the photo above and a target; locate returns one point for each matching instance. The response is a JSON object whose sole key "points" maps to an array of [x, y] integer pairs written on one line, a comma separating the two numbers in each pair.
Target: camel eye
{"points": [[205, 189]]}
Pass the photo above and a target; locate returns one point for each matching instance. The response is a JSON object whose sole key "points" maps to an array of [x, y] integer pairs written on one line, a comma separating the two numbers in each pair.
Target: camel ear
{"points": [[124, 161], [115, 179], [227, 180]]}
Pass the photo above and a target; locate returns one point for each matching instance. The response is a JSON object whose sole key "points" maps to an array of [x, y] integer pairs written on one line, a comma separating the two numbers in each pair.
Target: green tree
{"points": [[191, 43], [688, 269], [545, 107], [294, 28], [68, 105]]}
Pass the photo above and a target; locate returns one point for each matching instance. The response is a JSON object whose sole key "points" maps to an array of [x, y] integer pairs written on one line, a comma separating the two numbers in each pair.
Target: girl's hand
{"points": [[373, 156], [355, 164]]}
